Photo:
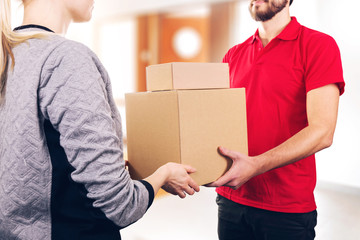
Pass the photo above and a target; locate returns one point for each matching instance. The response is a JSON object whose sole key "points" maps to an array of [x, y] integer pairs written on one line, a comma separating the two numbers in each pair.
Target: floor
{"points": [[195, 217]]}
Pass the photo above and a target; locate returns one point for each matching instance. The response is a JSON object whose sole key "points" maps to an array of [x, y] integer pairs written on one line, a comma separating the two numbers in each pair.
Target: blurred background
{"points": [[129, 35]]}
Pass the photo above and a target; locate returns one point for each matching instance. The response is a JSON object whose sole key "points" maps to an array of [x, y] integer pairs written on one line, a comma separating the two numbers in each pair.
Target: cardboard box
{"points": [[185, 126], [182, 75]]}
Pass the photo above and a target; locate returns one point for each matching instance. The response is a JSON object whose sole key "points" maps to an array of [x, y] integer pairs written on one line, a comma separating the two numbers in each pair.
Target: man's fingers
{"points": [[228, 153], [221, 181], [233, 184]]}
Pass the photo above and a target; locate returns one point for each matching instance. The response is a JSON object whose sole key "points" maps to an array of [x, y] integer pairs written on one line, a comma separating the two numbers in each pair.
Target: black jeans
{"points": [[239, 222]]}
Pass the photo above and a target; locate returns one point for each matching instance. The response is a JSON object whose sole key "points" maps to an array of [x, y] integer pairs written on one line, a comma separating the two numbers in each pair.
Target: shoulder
{"points": [[51, 49], [235, 50], [71, 55], [316, 46], [313, 38], [65, 49], [69, 59]]}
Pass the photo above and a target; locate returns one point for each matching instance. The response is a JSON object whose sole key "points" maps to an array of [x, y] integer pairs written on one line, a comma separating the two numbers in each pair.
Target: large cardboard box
{"points": [[185, 126], [187, 75]]}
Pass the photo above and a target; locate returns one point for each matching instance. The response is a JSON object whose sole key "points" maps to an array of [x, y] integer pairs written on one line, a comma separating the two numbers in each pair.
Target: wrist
{"points": [[260, 164], [158, 178], [163, 174]]}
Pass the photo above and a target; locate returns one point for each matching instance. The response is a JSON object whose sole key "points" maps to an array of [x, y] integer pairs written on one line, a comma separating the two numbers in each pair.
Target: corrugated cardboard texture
{"points": [[152, 124], [160, 125], [209, 119], [171, 76], [159, 77]]}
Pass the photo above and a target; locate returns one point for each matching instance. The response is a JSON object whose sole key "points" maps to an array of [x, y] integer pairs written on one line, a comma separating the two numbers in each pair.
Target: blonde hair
{"points": [[8, 40]]}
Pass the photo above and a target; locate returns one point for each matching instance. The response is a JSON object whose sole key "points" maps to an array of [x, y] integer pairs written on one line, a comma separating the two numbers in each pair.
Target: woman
{"points": [[61, 167]]}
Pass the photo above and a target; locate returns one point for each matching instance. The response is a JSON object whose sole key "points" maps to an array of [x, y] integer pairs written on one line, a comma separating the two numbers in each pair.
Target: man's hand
{"points": [[242, 170]]}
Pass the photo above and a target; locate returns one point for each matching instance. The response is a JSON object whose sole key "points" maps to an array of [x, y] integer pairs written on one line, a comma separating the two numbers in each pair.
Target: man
{"points": [[293, 79]]}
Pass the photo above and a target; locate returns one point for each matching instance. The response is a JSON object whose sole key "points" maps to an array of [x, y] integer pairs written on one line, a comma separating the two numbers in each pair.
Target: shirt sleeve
{"points": [[75, 95], [323, 63]]}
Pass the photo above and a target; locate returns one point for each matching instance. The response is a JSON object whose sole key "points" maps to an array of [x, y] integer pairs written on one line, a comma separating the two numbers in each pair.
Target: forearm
{"points": [[157, 179], [322, 106], [303, 144]]}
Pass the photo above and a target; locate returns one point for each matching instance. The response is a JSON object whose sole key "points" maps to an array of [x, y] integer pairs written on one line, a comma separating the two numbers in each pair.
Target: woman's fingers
{"points": [[189, 169], [181, 194], [194, 185]]}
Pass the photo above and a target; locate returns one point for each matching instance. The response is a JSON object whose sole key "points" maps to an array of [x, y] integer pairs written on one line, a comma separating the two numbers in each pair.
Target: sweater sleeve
{"points": [[75, 95]]}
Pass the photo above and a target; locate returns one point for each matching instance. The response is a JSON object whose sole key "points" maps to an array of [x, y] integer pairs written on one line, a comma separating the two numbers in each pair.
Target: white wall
{"points": [[340, 163]]}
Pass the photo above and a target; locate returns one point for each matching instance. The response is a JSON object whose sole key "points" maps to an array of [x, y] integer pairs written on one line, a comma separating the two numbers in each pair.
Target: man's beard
{"points": [[269, 13]]}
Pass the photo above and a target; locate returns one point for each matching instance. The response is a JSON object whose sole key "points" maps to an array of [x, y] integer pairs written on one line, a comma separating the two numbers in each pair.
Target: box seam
{"points": [[172, 75], [179, 124]]}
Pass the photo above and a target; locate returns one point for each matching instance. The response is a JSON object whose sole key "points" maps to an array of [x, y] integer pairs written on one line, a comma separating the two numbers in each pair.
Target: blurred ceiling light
{"points": [[187, 42]]}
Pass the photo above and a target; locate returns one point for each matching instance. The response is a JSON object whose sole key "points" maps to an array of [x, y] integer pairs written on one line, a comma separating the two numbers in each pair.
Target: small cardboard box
{"points": [[185, 126], [182, 75]]}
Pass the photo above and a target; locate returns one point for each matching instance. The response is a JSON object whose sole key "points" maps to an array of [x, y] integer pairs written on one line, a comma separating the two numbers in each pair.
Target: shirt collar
{"points": [[290, 32], [33, 26]]}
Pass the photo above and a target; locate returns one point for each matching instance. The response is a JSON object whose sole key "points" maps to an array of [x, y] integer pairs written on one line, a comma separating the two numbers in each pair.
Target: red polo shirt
{"points": [[277, 78]]}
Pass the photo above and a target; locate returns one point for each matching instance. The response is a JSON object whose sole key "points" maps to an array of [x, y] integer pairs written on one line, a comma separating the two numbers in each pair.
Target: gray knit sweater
{"points": [[63, 83]]}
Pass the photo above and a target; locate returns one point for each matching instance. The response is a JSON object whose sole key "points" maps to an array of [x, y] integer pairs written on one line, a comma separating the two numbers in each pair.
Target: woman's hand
{"points": [[179, 182], [175, 179]]}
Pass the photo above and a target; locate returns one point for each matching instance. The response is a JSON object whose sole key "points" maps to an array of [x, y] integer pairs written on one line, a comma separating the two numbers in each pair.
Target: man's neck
{"points": [[270, 29]]}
